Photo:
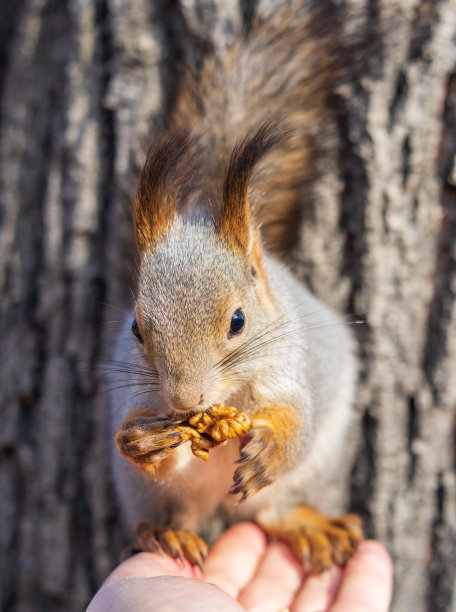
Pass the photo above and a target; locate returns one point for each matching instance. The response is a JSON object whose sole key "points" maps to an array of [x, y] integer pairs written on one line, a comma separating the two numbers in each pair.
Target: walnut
{"points": [[221, 422], [209, 429]]}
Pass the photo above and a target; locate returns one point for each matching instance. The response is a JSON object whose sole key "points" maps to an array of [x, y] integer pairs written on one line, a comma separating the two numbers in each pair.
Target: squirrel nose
{"points": [[183, 397]]}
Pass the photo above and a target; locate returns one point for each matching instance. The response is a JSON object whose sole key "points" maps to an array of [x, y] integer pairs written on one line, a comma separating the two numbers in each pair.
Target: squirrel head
{"points": [[202, 292]]}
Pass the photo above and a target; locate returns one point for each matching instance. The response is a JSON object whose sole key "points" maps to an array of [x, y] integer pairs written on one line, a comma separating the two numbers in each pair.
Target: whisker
{"points": [[125, 366], [111, 322], [125, 312], [137, 378], [154, 400], [252, 341], [251, 350], [138, 375], [269, 328], [135, 395], [127, 386], [264, 331]]}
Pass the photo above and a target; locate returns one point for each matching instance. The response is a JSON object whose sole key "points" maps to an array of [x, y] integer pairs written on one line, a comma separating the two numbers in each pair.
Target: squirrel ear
{"points": [[159, 189], [233, 223]]}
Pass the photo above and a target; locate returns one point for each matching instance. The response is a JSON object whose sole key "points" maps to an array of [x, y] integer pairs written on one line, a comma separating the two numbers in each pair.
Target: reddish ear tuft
{"points": [[233, 224], [164, 184]]}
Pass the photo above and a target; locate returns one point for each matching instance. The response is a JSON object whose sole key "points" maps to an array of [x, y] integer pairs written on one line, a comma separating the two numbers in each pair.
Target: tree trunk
{"points": [[84, 85]]}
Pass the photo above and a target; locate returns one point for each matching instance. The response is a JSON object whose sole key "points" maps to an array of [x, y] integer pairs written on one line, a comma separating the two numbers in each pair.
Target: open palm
{"points": [[245, 572]]}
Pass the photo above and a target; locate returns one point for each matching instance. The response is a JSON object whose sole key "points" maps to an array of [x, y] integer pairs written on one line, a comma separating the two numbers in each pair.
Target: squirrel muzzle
{"points": [[183, 395]]}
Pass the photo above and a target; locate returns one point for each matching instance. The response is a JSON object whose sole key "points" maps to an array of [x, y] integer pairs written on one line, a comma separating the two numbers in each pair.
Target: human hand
{"points": [[244, 572]]}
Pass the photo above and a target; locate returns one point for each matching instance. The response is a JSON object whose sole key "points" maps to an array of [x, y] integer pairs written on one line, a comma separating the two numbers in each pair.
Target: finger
{"points": [[149, 565], [277, 579], [233, 559], [318, 591], [367, 581], [170, 593]]}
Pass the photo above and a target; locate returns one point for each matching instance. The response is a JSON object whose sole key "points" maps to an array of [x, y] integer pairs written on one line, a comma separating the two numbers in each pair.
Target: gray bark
{"points": [[84, 85]]}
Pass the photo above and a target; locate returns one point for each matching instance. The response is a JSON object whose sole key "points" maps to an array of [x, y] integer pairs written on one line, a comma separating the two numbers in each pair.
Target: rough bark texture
{"points": [[84, 83]]}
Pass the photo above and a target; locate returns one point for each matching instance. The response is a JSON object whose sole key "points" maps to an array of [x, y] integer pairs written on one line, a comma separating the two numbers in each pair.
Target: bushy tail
{"points": [[284, 71]]}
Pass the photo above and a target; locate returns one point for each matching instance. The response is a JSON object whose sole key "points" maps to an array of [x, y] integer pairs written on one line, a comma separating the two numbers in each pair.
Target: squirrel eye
{"points": [[135, 331], [237, 323]]}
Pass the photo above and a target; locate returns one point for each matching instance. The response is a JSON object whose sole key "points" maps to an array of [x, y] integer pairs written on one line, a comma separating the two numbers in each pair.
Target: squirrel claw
{"points": [[256, 466], [243, 458], [317, 541], [179, 544], [244, 496], [236, 488]]}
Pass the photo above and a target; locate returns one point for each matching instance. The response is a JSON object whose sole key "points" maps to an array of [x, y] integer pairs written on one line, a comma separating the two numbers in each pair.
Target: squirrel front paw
{"points": [[258, 464], [147, 441]]}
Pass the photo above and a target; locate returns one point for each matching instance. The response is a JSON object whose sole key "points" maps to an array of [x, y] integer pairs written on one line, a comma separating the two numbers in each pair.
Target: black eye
{"points": [[135, 331], [237, 323]]}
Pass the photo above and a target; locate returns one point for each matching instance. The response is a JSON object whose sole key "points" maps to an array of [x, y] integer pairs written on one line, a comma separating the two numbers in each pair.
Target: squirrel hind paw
{"points": [[317, 540], [176, 542]]}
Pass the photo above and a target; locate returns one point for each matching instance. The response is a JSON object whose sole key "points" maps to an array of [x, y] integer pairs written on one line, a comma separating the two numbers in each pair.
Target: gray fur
{"points": [[309, 363]]}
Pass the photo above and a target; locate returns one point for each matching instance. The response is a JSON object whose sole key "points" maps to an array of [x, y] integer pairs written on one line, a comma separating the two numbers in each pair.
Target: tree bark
{"points": [[84, 86]]}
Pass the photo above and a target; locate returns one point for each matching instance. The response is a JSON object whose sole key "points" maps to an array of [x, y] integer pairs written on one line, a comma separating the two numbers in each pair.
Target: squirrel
{"points": [[219, 317]]}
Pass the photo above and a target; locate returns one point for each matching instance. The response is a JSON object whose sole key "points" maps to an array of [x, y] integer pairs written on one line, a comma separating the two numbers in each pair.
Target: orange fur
{"points": [[178, 543], [171, 180], [147, 442], [285, 69], [151, 227], [233, 223], [317, 540], [257, 262], [283, 421], [268, 453], [166, 184]]}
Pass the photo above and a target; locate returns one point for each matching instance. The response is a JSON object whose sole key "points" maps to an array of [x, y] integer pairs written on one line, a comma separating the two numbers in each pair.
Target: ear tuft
{"points": [[165, 183], [233, 224]]}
